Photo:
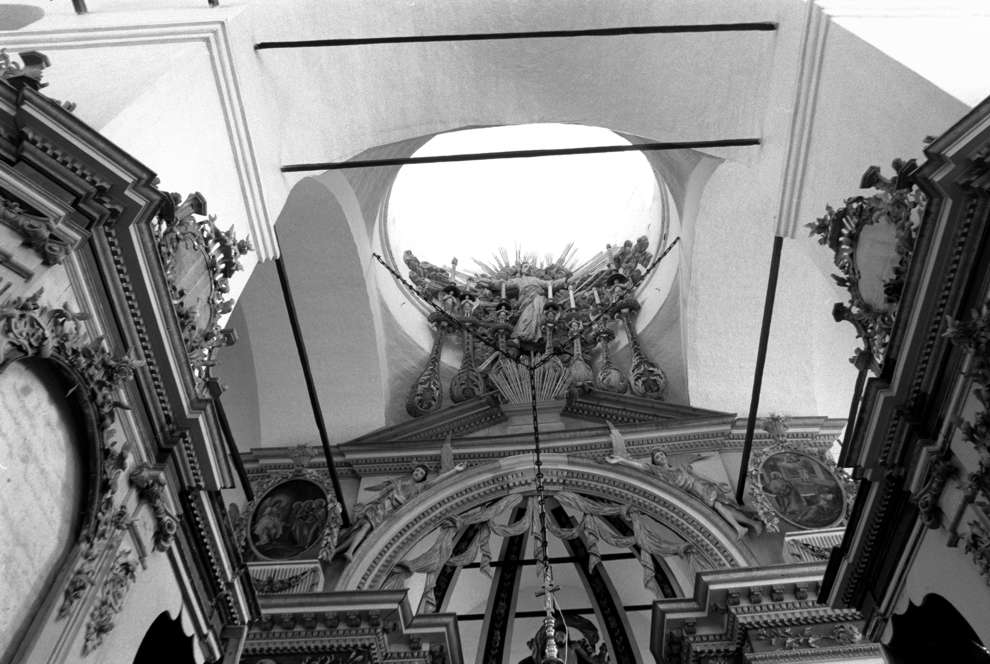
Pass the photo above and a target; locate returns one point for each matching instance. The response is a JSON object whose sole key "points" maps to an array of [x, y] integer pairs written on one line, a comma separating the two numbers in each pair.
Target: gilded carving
{"points": [[872, 238], [199, 259]]}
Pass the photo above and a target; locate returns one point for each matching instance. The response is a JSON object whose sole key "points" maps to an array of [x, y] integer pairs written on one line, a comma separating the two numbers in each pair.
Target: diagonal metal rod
{"points": [[761, 360], [519, 154], [620, 31], [314, 398]]}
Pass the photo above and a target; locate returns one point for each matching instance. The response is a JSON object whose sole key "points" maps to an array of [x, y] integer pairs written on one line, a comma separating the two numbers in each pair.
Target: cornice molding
{"points": [[213, 34]]}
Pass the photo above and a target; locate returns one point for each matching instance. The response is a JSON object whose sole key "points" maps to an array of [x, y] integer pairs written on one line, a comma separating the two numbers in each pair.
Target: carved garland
{"points": [[182, 235], [28, 329], [974, 336], [763, 500], [328, 539], [897, 204]]}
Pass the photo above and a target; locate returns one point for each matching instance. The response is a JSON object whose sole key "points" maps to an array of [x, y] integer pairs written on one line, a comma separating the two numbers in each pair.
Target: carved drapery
{"points": [[872, 238], [713, 544]]}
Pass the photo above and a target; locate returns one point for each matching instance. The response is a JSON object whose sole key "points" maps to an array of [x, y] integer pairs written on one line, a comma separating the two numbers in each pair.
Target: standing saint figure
{"points": [[532, 298], [394, 493], [714, 494]]}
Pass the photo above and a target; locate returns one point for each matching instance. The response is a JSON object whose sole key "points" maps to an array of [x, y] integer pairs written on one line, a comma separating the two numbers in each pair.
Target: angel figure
{"points": [[393, 494], [716, 495]]}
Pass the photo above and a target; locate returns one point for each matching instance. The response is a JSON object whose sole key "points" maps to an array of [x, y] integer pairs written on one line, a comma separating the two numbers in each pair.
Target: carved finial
{"points": [[775, 425]]}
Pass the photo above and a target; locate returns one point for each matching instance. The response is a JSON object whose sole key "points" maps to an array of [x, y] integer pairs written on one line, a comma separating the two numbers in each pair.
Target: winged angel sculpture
{"points": [[716, 495], [393, 494]]}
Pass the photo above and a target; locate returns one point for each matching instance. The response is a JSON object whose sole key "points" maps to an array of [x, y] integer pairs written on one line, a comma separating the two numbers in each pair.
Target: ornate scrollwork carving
{"points": [[873, 238], [646, 379], [150, 482], [199, 260], [941, 472], [426, 395], [977, 545], [39, 232], [111, 602]]}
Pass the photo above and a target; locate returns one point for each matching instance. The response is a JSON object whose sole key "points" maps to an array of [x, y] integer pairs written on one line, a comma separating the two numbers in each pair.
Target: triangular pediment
{"points": [[486, 416]]}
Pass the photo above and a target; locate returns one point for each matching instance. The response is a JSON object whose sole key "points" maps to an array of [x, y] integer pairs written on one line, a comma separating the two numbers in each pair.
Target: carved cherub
{"points": [[683, 476], [393, 494]]}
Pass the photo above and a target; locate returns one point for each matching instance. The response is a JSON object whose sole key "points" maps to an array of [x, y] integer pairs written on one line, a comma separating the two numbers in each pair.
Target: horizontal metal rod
{"points": [[553, 561], [566, 612], [761, 26], [521, 154]]}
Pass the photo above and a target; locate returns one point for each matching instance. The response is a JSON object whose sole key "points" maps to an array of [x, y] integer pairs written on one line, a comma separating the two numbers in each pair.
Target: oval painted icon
{"points": [[802, 489], [289, 519]]}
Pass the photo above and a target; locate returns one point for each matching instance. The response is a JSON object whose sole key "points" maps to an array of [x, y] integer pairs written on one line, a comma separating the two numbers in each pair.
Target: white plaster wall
{"points": [[41, 488]]}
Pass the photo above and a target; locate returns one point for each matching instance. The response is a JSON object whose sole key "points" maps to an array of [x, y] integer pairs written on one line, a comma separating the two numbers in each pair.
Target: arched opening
{"points": [[165, 642], [935, 631], [43, 487]]}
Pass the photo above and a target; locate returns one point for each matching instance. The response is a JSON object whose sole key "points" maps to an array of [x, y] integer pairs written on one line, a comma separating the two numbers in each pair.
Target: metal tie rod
{"points": [[520, 154], [759, 26]]}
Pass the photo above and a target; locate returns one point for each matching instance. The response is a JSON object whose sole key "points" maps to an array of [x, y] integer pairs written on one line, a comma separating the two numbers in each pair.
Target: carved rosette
{"points": [[426, 395], [199, 259], [873, 238]]}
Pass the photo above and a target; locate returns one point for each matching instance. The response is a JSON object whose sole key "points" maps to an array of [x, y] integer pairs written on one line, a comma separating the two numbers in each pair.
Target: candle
{"points": [[549, 290], [597, 300], [570, 295], [503, 290]]}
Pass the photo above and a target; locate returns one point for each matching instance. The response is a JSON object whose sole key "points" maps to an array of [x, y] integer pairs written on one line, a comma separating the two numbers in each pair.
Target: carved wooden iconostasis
{"points": [[113, 462]]}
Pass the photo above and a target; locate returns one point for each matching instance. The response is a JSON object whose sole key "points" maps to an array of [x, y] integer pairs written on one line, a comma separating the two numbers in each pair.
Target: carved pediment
{"points": [[485, 415]]}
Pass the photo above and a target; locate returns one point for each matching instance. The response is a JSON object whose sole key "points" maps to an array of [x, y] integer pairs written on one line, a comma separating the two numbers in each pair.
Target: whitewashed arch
{"points": [[714, 541]]}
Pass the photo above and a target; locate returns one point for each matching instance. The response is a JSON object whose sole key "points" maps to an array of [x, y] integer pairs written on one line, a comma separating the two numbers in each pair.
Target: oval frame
{"points": [[825, 471], [266, 492]]}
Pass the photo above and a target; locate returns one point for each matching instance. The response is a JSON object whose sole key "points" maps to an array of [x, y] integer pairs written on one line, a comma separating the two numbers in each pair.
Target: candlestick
{"points": [[549, 290], [570, 295], [503, 290], [597, 299]]}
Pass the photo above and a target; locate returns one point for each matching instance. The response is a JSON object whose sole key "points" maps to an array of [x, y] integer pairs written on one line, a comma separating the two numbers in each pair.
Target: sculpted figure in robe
{"points": [[532, 298], [716, 495], [393, 494]]}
